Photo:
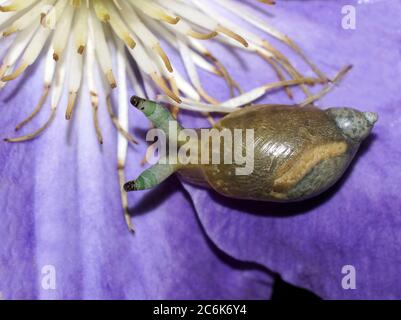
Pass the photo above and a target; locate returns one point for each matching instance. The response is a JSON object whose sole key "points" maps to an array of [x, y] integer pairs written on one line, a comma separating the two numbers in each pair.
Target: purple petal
{"points": [[60, 209], [357, 222]]}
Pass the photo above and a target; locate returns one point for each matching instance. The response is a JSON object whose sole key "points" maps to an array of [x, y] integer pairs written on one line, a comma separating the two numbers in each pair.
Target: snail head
{"points": [[354, 124]]}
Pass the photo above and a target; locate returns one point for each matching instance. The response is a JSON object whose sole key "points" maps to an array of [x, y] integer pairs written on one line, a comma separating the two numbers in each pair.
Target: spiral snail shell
{"points": [[298, 152]]}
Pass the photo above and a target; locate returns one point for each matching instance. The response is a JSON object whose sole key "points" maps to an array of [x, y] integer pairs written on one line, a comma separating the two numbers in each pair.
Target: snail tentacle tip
{"points": [[130, 186]]}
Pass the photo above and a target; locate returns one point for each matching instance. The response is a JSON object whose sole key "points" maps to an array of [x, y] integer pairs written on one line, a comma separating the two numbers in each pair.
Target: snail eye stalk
{"points": [[76, 39], [136, 101]]}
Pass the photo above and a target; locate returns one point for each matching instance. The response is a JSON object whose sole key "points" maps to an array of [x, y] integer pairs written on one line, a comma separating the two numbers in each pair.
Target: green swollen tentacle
{"points": [[161, 118]]}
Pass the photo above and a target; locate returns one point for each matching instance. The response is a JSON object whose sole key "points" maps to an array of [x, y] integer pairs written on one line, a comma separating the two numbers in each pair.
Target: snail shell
{"points": [[298, 152]]}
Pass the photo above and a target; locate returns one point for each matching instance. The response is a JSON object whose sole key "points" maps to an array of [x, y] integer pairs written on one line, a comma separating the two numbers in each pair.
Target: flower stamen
{"points": [[36, 133]]}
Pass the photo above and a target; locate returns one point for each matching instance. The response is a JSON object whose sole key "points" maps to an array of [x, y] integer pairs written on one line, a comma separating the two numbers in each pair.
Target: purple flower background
{"points": [[60, 203]]}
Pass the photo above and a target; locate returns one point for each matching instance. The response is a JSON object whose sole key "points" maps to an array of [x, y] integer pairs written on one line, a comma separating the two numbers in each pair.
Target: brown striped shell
{"points": [[298, 152]]}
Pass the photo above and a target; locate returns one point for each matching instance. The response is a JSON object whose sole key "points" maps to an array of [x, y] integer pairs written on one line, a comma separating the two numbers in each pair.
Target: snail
{"points": [[298, 152]]}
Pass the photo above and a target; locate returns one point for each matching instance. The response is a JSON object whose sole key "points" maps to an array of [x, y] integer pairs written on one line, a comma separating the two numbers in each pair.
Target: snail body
{"points": [[297, 153]]}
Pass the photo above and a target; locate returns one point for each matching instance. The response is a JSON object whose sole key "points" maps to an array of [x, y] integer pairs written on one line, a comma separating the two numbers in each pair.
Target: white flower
{"points": [[76, 37]]}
